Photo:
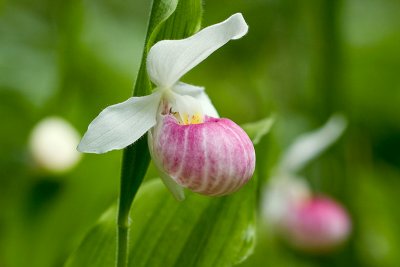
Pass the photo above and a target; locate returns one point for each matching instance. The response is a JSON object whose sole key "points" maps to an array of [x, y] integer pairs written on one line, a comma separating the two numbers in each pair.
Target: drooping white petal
{"points": [[310, 145], [120, 125], [199, 94], [169, 60], [175, 189]]}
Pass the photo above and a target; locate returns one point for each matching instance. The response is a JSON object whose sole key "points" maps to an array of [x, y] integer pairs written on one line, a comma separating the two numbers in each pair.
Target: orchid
{"points": [[188, 142], [308, 221]]}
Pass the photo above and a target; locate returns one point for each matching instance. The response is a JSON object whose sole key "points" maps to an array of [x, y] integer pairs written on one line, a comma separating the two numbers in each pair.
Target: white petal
{"points": [[310, 145], [198, 93], [169, 60], [120, 125]]}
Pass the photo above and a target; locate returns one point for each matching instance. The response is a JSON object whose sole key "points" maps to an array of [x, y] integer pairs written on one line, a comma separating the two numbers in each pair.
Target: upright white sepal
{"points": [[120, 125], [169, 60]]}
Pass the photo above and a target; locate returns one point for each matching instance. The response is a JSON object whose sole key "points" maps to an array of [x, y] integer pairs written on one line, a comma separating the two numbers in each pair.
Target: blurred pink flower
{"points": [[319, 224]]}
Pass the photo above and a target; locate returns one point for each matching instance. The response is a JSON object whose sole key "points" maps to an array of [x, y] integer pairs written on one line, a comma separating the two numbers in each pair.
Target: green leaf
{"points": [[160, 12], [99, 246], [169, 19], [256, 130], [200, 231]]}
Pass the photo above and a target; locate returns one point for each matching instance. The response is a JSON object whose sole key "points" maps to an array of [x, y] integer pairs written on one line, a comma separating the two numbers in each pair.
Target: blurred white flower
{"points": [[52, 144], [280, 196]]}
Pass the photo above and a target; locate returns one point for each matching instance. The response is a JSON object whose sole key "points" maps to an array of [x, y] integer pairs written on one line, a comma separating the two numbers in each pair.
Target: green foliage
{"points": [[99, 247], [257, 130], [169, 19], [200, 231]]}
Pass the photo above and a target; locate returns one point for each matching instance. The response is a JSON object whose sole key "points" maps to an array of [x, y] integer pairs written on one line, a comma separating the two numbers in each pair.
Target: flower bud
{"points": [[52, 144], [317, 225], [214, 157]]}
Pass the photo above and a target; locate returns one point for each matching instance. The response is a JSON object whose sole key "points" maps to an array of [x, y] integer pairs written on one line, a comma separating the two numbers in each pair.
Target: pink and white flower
{"points": [[189, 144], [312, 223], [308, 222]]}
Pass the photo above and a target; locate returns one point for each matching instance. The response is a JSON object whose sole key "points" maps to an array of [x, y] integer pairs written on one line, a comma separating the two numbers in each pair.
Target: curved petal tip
{"points": [[239, 25]]}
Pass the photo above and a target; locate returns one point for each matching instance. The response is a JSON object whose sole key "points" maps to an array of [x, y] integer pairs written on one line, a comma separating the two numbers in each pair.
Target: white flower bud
{"points": [[52, 144]]}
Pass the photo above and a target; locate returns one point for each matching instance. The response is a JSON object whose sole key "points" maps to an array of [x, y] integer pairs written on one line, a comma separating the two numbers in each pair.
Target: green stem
{"points": [[122, 255], [136, 159], [328, 67]]}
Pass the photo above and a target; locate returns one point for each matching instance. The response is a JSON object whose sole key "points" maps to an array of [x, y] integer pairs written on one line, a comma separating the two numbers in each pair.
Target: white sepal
{"points": [[169, 60], [120, 125], [308, 146]]}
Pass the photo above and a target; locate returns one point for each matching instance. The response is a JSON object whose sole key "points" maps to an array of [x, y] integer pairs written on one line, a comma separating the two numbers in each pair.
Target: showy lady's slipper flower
{"points": [[189, 144]]}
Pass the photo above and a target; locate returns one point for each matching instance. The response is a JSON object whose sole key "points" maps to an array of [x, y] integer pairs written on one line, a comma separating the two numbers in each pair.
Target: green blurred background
{"points": [[301, 60]]}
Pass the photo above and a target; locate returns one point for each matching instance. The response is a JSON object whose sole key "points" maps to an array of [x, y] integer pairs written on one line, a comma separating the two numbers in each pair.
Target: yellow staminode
{"points": [[186, 119]]}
